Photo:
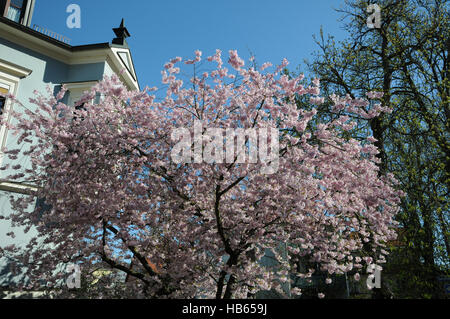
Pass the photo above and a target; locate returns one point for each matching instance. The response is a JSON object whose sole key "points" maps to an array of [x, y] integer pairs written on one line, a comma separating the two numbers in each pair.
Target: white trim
{"points": [[28, 13], [80, 85], [117, 66], [49, 49], [125, 58], [31, 42], [14, 70], [12, 83], [130, 68], [17, 188], [77, 57], [10, 76], [77, 89], [4, 86]]}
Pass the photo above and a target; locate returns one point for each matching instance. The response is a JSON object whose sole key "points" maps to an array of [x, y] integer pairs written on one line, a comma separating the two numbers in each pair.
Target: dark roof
{"points": [[76, 48], [51, 40]]}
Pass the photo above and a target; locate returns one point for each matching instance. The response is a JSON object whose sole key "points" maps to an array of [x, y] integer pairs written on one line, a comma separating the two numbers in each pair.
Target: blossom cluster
{"points": [[115, 198]]}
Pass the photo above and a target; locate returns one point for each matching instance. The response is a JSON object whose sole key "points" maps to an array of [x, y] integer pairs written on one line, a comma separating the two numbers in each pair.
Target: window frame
{"points": [[10, 77], [23, 9], [12, 85], [76, 90], [14, 6]]}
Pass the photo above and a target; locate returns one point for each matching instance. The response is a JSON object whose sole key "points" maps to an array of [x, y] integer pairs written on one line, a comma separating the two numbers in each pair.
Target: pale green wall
{"points": [[45, 71]]}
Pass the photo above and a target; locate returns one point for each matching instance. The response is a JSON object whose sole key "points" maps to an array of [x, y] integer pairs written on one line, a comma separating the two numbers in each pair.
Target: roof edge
{"points": [[51, 40]]}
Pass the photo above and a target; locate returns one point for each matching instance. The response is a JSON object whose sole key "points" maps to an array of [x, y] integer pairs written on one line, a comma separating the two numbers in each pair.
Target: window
{"points": [[2, 104], [15, 10], [10, 77], [76, 91], [5, 88], [3, 91]]}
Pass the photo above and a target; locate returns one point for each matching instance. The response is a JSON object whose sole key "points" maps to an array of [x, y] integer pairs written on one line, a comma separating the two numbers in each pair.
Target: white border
{"points": [[10, 76]]}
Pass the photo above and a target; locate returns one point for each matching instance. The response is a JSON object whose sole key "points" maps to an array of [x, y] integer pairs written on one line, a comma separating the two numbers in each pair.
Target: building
{"points": [[32, 58]]}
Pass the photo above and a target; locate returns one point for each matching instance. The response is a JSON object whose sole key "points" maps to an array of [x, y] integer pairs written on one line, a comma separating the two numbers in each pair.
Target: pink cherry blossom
{"points": [[116, 200]]}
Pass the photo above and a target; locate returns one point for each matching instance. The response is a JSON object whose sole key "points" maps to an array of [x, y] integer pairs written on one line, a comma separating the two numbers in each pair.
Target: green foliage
{"points": [[408, 59]]}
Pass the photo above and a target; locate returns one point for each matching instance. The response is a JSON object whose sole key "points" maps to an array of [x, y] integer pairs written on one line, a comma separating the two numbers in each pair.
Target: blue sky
{"points": [[160, 30]]}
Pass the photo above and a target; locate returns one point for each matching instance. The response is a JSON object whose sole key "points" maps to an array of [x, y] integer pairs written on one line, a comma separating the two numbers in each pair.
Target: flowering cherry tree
{"points": [[115, 198]]}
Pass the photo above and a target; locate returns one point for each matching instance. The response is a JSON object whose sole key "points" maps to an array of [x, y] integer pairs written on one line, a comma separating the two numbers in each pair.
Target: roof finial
{"points": [[121, 34]]}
